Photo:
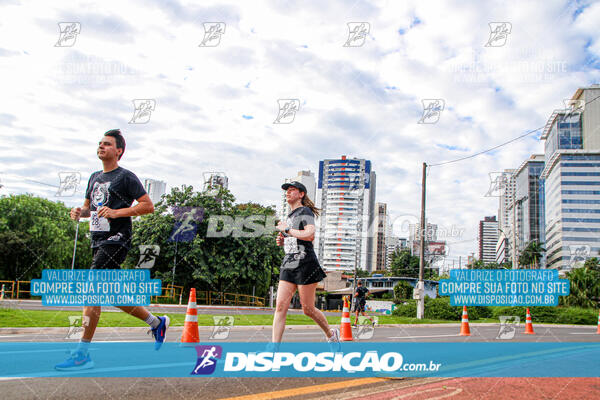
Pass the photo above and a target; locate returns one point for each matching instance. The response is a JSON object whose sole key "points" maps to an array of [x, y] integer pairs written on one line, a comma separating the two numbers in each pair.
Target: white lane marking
{"points": [[63, 350], [93, 371], [416, 337], [17, 334], [16, 377], [583, 333]]}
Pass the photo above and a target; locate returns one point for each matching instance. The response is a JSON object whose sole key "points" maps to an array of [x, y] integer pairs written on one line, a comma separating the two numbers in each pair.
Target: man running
{"points": [[108, 199], [360, 302]]}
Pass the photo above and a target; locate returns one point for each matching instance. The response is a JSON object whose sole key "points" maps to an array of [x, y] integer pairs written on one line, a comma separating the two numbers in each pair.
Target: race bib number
{"points": [[290, 245], [98, 224]]}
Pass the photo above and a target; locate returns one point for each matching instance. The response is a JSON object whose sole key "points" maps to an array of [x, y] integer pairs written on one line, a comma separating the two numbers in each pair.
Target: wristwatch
{"points": [[287, 230]]}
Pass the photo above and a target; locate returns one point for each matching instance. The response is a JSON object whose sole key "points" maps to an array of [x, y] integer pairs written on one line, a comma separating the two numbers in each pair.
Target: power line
{"points": [[498, 146], [488, 150]]}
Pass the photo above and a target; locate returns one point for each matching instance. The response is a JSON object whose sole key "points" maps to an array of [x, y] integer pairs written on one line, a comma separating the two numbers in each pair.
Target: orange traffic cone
{"points": [[528, 324], [598, 331], [190, 334], [464, 323], [346, 329]]}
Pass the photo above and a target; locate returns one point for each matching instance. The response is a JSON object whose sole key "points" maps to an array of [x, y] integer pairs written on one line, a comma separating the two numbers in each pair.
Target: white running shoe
{"points": [[334, 340]]}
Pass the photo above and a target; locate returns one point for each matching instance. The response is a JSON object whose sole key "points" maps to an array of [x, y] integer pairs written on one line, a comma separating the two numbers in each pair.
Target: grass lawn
{"points": [[11, 318]]}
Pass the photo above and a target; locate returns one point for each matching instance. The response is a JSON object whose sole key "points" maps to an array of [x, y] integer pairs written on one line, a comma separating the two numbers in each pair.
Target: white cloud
{"points": [[360, 101]]}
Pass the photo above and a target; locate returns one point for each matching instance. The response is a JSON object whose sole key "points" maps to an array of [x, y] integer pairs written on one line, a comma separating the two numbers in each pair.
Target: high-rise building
{"points": [[530, 203], [214, 180], [306, 178], [379, 246], [507, 188], [155, 189], [502, 253], [346, 195], [394, 244], [572, 181], [414, 237], [488, 238]]}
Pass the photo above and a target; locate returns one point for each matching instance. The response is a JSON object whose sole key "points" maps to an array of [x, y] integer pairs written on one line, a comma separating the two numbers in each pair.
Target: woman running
{"points": [[300, 268]]}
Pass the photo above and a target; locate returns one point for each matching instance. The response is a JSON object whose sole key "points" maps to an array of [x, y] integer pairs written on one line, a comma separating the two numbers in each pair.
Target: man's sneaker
{"points": [[354, 325], [334, 340], [76, 361], [160, 331]]}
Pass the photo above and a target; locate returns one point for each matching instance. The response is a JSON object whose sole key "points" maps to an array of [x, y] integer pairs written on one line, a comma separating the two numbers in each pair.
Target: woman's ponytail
{"points": [[306, 202]]}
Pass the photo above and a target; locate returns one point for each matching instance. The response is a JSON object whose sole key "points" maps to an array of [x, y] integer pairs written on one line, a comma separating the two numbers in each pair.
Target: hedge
{"points": [[440, 308]]}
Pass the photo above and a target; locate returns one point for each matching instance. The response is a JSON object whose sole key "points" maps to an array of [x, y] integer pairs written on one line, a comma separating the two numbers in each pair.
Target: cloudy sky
{"points": [[215, 100]]}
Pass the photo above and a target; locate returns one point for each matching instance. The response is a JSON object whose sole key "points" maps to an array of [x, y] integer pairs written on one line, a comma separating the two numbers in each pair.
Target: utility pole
{"points": [[354, 284], [419, 292], [515, 265]]}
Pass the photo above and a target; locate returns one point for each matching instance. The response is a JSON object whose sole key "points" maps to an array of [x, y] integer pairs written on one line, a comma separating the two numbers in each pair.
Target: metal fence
{"points": [[228, 299], [172, 294], [8, 289]]}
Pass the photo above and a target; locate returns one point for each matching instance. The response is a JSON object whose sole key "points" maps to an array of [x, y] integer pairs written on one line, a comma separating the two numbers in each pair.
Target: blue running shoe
{"points": [[76, 361], [160, 331]]}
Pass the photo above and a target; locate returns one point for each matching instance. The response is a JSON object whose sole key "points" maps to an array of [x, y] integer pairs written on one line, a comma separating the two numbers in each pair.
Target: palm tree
{"points": [[532, 253], [585, 288]]}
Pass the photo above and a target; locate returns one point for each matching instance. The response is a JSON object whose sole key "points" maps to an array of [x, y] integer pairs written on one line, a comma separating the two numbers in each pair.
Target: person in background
{"points": [[360, 302]]}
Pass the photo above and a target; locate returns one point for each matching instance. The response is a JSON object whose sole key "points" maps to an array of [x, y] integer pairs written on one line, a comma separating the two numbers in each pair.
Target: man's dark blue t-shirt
{"points": [[115, 189], [362, 292]]}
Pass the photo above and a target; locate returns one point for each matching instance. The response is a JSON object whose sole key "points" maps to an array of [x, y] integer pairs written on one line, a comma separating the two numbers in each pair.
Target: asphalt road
{"points": [[304, 333], [300, 388]]}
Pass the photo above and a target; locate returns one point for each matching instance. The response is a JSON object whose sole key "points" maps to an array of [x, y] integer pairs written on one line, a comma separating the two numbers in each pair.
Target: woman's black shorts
{"points": [[304, 274]]}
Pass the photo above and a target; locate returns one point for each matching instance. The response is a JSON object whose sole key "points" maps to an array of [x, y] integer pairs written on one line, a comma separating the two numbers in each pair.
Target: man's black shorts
{"points": [[360, 305], [108, 256]]}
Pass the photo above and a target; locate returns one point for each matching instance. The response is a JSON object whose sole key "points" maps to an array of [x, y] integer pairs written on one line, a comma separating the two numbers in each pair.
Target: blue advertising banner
{"points": [[259, 359], [504, 287], [95, 287]]}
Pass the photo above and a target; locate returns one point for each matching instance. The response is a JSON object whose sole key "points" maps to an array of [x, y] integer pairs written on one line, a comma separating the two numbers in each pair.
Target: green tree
{"points": [[532, 254], [442, 276], [403, 291], [592, 263], [585, 287], [406, 265], [361, 273], [234, 263], [37, 234]]}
